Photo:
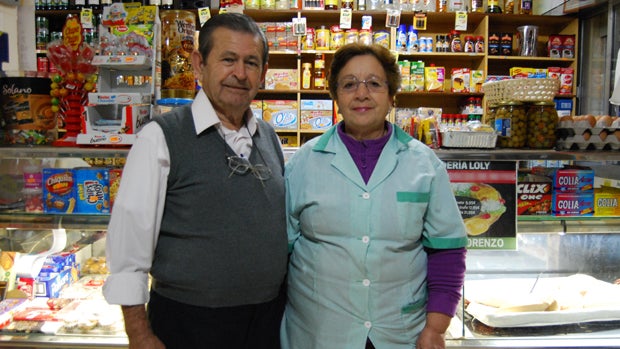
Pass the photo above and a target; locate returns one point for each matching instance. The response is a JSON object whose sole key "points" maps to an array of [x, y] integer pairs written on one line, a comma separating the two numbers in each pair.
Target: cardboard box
{"points": [[257, 108], [573, 180], [417, 76], [460, 79], [93, 190], [119, 98], [112, 123], [534, 197], [434, 78], [573, 204], [282, 114], [564, 106], [59, 195], [281, 79], [316, 114], [606, 201], [477, 79]]}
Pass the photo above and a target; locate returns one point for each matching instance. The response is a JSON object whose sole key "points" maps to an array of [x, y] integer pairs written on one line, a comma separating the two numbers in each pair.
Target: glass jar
{"points": [[489, 118], [511, 125], [542, 123]]}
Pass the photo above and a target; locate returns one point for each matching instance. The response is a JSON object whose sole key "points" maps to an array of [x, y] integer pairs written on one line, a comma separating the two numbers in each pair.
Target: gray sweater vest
{"points": [[223, 239]]}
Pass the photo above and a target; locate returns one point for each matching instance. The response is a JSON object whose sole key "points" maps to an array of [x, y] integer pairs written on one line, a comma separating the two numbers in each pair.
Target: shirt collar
{"points": [[204, 115]]}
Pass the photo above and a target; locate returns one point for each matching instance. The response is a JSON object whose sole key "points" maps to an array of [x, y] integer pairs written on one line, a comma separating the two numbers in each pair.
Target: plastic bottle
{"points": [[306, 76]]}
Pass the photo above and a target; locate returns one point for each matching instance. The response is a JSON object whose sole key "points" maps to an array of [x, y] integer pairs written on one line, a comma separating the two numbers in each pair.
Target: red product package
{"points": [[566, 81]]}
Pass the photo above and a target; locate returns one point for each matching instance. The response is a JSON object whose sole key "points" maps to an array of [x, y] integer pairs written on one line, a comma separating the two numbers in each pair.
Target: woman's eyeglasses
{"points": [[351, 85], [241, 166]]}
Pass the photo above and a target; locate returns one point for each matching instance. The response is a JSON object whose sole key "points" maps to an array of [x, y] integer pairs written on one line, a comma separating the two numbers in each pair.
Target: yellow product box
{"points": [[282, 114], [521, 72], [477, 79], [606, 201], [316, 114], [460, 79], [288, 140], [417, 76], [434, 78], [281, 79]]}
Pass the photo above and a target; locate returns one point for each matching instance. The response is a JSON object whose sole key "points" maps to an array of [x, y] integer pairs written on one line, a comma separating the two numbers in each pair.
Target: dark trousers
{"points": [[369, 344], [183, 326]]}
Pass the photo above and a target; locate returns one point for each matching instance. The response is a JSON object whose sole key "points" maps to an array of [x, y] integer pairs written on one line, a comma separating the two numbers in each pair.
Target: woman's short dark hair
{"points": [[234, 21], [344, 54]]}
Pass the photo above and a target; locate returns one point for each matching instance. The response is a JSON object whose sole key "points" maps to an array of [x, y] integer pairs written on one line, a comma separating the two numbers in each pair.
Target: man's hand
{"points": [[138, 329]]}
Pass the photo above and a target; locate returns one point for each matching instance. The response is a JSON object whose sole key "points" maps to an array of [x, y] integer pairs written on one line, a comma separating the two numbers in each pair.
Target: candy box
{"points": [[573, 204], [606, 201], [573, 180], [93, 190], [58, 190], [534, 196]]}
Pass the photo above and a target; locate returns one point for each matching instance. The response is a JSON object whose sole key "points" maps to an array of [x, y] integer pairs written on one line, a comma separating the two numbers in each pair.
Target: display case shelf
{"points": [[27, 220]]}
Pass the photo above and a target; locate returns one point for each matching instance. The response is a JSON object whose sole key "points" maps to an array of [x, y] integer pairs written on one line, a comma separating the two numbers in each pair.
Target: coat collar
{"points": [[330, 142]]}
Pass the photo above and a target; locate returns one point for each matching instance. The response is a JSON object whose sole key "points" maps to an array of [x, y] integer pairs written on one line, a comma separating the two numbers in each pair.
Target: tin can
{"points": [[381, 37], [336, 37], [365, 37], [178, 30], [322, 38]]}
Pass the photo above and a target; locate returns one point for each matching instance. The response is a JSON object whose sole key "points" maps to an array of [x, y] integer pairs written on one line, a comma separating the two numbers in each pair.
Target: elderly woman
{"points": [[376, 238]]}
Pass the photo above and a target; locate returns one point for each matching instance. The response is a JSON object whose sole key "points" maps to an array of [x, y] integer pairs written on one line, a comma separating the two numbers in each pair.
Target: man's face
{"points": [[233, 71]]}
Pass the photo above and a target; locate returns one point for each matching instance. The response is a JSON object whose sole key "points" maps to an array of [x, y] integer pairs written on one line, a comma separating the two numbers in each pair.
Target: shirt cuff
{"points": [[127, 288]]}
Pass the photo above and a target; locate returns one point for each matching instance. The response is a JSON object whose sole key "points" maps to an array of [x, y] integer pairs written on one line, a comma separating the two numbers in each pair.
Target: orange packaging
{"points": [[566, 81], [115, 181]]}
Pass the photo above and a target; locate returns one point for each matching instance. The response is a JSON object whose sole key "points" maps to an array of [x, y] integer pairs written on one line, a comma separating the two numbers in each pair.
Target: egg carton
{"points": [[604, 122], [583, 138]]}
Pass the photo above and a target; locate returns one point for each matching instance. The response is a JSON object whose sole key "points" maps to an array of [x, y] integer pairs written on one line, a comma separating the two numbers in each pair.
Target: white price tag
{"points": [[460, 21], [346, 15], [204, 14]]}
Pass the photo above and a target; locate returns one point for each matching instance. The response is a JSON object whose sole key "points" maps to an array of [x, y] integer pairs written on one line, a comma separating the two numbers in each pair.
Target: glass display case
{"points": [[548, 248]]}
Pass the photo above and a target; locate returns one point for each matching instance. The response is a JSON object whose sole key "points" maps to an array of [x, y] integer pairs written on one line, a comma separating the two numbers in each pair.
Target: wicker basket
{"points": [[522, 90], [468, 139]]}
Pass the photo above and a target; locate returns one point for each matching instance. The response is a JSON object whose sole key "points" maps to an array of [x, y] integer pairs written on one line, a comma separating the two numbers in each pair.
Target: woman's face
{"points": [[363, 108]]}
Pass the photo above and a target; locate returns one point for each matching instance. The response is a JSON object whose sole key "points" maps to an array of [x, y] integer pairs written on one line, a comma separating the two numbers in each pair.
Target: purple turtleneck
{"points": [[365, 153], [446, 268]]}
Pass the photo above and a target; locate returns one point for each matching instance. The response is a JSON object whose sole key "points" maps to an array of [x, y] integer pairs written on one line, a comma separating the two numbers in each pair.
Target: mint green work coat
{"points": [[358, 268]]}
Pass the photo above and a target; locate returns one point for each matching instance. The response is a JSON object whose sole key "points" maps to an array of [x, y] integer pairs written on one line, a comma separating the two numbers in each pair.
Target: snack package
{"points": [[434, 78]]}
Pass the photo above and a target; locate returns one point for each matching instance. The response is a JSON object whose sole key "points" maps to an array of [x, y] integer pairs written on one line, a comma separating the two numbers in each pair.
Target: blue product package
{"points": [[58, 190], [93, 190]]}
